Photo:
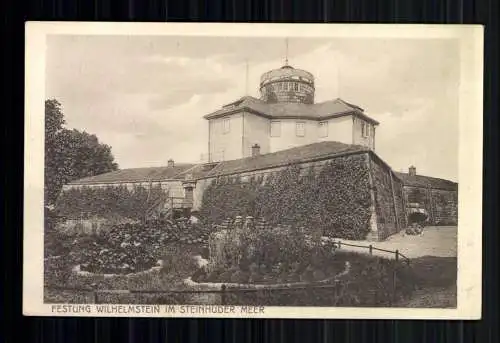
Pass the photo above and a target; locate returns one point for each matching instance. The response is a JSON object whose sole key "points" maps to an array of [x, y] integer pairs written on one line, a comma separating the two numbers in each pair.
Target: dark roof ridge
{"points": [[427, 177], [237, 166], [423, 181], [154, 167], [290, 110], [142, 174]]}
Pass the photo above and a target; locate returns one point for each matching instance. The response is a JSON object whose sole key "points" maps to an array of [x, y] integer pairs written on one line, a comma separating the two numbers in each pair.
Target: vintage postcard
{"points": [[253, 170]]}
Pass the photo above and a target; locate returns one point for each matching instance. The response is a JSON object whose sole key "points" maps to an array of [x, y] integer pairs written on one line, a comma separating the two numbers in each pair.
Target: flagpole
{"points": [[246, 76], [286, 51]]}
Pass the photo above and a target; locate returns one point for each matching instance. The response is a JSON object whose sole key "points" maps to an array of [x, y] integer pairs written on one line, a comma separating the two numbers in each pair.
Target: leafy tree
{"points": [[70, 154]]}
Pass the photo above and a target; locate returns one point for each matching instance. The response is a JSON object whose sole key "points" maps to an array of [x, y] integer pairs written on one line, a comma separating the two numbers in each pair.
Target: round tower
{"points": [[287, 84]]}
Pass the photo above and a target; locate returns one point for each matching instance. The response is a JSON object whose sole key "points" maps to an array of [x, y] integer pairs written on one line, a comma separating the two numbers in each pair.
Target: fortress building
{"points": [[285, 116], [257, 137]]}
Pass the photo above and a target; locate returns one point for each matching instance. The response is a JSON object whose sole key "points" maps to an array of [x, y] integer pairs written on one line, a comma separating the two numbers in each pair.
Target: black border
{"points": [[26, 329]]}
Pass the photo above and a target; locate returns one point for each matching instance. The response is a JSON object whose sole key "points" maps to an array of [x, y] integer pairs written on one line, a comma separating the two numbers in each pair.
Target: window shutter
{"points": [[275, 129], [300, 129]]}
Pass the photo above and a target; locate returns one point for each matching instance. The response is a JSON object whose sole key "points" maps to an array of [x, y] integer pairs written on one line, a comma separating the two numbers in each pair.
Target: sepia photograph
{"points": [[253, 170]]}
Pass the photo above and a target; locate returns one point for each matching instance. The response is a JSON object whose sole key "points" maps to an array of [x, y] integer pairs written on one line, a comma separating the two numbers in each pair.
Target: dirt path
{"points": [[436, 241]]}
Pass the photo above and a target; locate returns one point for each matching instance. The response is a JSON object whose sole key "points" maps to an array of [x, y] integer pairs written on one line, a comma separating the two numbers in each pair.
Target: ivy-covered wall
{"points": [[400, 203], [332, 196], [389, 205], [86, 202], [440, 204], [445, 207]]}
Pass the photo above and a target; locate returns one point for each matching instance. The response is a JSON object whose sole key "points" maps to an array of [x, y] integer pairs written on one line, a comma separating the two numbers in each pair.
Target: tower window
{"points": [[226, 125], [300, 129], [365, 129], [323, 129], [275, 129]]}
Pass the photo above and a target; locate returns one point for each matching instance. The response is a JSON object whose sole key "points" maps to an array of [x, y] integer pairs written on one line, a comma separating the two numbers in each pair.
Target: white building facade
{"points": [[284, 117]]}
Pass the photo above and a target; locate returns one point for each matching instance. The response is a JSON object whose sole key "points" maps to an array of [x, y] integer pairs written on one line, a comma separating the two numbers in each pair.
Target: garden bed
{"points": [[126, 248], [268, 284], [369, 283]]}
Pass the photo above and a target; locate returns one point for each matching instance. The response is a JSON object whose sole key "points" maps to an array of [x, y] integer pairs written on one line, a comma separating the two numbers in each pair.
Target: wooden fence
{"points": [[397, 254], [223, 292]]}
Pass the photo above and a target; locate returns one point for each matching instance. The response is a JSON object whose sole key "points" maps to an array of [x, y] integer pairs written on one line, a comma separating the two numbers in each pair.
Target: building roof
{"points": [[285, 72], [284, 110], [427, 182], [314, 151], [136, 175], [285, 157], [196, 172]]}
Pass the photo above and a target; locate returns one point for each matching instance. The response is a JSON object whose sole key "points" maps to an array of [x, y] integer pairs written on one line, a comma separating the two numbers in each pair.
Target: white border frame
{"points": [[470, 154]]}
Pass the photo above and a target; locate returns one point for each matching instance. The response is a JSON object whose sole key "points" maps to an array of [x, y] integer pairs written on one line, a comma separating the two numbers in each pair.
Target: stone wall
{"points": [[388, 200], [440, 204], [400, 203], [445, 207], [333, 195]]}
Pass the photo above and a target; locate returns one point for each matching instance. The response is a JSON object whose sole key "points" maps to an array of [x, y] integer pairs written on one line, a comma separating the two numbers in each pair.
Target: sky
{"points": [[146, 96]]}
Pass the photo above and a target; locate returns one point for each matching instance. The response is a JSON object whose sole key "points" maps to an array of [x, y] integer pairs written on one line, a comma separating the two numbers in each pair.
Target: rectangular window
{"points": [[323, 129], [226, 125], [296, 87], [366, 132], [365, 129], [275, 129], [300, 129]]}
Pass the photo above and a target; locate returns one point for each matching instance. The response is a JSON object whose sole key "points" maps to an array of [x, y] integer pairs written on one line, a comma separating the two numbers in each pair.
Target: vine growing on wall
{"points": [[334, 201], [107, 202]]}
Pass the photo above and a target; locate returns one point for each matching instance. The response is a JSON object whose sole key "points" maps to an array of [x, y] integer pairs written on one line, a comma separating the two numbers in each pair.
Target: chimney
{"points": [[412, 171], [255, 150], [170, 163]]}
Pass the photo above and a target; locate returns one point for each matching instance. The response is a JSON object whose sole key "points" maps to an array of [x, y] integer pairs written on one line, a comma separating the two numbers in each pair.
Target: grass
{"points": [[369, 284], [178, 266], [428, 282], [436, 281]]}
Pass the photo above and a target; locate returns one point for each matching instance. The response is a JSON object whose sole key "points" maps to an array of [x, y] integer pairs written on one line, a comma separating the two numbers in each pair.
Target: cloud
{"points": [[146, 96]]}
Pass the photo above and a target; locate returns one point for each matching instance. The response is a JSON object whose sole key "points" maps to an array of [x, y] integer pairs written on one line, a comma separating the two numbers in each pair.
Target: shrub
{"points": [[129, 247], [269, 255], [369, 284]]}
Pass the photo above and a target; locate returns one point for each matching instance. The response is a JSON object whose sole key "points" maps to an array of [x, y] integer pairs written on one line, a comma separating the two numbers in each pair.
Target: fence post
{"points": [[223, 294], [371, 249], [95, 295], [394, 271]]}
